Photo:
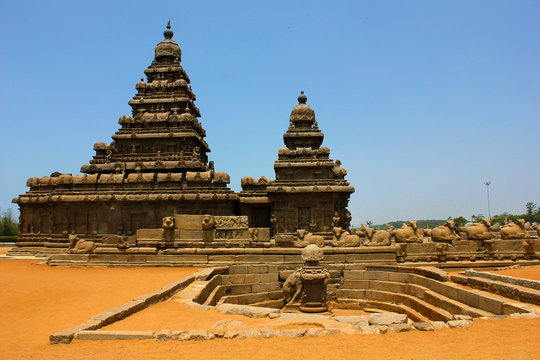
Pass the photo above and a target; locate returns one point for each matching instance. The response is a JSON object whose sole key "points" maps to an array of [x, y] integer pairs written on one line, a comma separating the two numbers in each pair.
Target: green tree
{"points": [[477, 218], [460, 221], [8, 226], [531, 212]]}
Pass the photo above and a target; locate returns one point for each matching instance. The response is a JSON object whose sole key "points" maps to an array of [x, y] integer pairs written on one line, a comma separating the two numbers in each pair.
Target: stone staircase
{"points": [[422, 293]]}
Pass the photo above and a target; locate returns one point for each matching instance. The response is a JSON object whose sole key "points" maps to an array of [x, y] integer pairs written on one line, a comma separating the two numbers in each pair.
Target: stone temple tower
{"points": [[156, 166], [310, 191]]}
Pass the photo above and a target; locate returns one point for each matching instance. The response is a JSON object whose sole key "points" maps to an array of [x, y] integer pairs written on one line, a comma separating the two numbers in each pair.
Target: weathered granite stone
{"points": [[245, 310], [424, 326], [199, 335], [382, 329], [462, 317], [387, 318], [315, 332], [270, 333], [357, 321], [163, 335], [397, 328], [179, 335], [294, 332], [437, 325], [458, 323]]}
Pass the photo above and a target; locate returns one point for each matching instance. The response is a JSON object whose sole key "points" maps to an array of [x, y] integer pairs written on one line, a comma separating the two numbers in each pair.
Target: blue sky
{"points": [[422, 101]]}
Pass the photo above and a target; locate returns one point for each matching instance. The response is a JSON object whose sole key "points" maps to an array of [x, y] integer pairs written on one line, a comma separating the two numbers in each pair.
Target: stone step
{"points": [[510, 291], [420, 292], [423, 307]]}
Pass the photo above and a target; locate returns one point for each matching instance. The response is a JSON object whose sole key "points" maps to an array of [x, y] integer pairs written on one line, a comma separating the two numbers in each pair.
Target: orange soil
{"points": [[37, 300], [530, 272], [4, 250]]}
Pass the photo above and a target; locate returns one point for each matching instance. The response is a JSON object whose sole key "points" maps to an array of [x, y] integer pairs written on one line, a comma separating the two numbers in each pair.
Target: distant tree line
{"points": [[532, 215], [8, 226]]}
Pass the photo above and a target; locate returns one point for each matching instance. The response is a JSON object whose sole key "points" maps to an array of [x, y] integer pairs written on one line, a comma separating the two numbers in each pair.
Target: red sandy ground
{"points": [[37, 300]]}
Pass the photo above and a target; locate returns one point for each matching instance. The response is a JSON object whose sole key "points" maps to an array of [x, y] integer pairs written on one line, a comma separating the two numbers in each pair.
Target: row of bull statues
{"points": [[411, 233]]}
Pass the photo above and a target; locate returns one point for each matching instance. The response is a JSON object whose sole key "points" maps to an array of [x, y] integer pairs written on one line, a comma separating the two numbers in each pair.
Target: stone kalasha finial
{"points": [[168, 33], [312, 253], [302, 98]]}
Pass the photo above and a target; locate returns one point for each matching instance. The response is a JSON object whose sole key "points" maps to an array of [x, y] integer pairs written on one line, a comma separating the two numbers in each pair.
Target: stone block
{"points": [[459, 323], [270, 333], [439, 325], [238, 269], [397, 328], [259, 259], [179, 335], [163, 335], [199, 335], [424, 326], [188, 222], [314, 332], [354, 275], [265, 287], [150, 234], [249, 311], [294, 333], [387, 318], [114, 335], [258, 269]]}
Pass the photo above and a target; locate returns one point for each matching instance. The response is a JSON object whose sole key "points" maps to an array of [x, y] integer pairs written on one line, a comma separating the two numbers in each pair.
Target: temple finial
{"points": [[302, 98], [168, 33]]}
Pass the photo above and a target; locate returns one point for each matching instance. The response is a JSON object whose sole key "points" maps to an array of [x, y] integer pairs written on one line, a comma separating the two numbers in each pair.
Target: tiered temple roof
{"points": [[163, 134]]}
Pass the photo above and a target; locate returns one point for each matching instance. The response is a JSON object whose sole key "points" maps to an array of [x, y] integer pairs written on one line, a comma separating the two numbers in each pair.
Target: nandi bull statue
{"points": [[306, 238], [343, 238], [375, 237], [409, 233], [479, 231], [515, 230], [444, 233], [309, 282]]}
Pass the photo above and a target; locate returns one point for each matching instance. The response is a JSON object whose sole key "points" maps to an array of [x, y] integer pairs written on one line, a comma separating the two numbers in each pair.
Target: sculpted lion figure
{"points": [[445, 233], [409, 233], [344, 238], [479, 231], [306, 238], [375, 237], [79, 246], [515, 230], [167, 222], [292, 288]]}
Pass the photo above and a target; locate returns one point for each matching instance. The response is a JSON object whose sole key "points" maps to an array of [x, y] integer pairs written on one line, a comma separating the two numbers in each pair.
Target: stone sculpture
{"points": [[306, 238], [292, 288], [515, 230], [375, 237], [79, 246], [344, 238], [409, 233], [445, 233], [479, 231], [314, 280]]}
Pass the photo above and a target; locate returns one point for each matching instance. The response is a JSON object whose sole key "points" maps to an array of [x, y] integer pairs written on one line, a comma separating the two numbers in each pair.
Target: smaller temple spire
{"points": [[302, 98], [168, 33]]}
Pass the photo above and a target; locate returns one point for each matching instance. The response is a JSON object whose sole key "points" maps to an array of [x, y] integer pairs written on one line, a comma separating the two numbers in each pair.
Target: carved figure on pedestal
{"points": [[79, 246], [292, 288], [306, 238], [479, 231], [442, 248], [273, 223], [336, 219], [515, 230], [167, 223], [409, 233], [338, 171], [344, 238], [445, 233], [375, 237]]}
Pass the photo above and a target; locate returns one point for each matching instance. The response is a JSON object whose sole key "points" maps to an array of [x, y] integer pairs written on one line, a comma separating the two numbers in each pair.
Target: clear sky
{"points": [[422, 101]]}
